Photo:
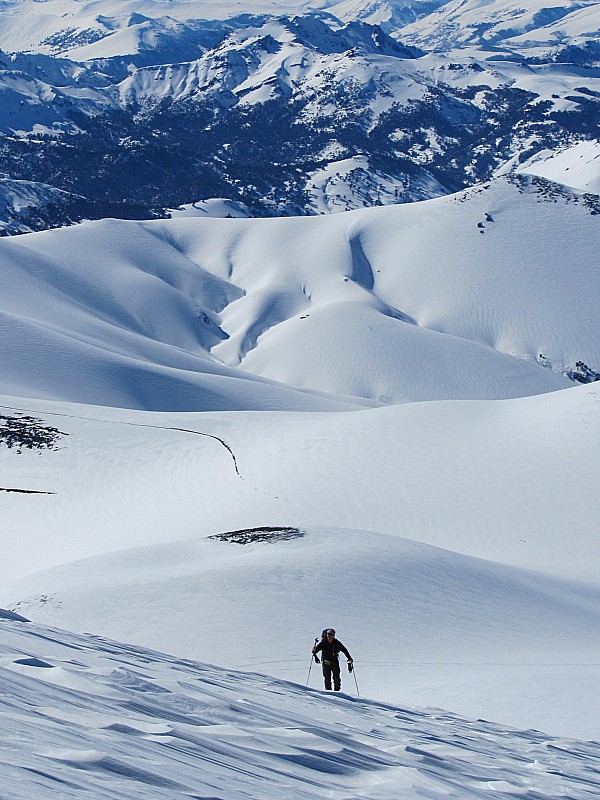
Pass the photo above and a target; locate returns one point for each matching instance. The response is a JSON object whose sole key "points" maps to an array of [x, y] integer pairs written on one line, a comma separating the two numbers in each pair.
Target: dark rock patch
{"points": [[249, 535]]}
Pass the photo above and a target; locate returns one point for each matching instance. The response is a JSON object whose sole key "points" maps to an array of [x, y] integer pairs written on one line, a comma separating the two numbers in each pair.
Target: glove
{"points": [[350, 666], [316, 658]]}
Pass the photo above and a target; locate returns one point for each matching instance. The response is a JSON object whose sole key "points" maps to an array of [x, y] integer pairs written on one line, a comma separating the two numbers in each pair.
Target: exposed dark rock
{"points": [[23, 432], [249, 535]]}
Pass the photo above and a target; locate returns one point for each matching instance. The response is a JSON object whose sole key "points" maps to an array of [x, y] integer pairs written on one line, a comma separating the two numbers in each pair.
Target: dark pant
{"points": [[332, 668]]}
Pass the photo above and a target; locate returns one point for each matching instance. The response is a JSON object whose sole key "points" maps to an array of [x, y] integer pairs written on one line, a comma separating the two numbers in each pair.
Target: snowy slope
{"points": [[27, 206], [164, 382], [389, 14], [456, 630], [482, 478], [520, 26], [199, 314], [130, 329], [576, 28], [115, 721], [135, 311], [215, 207], [39, 95], [577, 166]]}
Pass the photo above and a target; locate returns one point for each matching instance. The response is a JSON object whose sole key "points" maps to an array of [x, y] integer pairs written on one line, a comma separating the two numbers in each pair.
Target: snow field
{"points": [[392, 382]]}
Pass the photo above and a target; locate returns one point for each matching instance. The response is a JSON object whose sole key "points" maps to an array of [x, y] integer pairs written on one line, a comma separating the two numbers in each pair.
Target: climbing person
{"points": [[330, 647]]}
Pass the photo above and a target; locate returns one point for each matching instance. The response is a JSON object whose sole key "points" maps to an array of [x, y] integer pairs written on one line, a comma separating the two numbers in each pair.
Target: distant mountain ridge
{"points": [[83, 30], [530, 28], [285, 114], [87, 30]]}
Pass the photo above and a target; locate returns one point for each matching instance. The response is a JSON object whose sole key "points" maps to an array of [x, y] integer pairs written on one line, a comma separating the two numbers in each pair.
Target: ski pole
{"points": [[311, 663], [355, 681], [309, 669]]}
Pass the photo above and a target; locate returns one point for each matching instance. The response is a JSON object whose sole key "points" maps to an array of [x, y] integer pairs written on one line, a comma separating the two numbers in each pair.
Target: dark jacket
{"points": [[331, 649]]}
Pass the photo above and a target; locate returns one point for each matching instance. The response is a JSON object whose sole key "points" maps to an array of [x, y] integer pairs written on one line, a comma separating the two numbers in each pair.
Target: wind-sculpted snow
{"points": [[467, 297], [118, 721], [421, 622]]}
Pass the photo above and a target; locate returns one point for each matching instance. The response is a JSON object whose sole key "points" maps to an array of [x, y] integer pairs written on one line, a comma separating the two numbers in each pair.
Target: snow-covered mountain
{"points": [[218, 436], [181, 314], [288, 115], [531, 28], [313, 325], [84, 30], [389, 14]]}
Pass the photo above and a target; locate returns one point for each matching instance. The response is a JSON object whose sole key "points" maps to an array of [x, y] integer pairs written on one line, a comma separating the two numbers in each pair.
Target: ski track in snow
{"points": [[135, 424], [115, 721]]}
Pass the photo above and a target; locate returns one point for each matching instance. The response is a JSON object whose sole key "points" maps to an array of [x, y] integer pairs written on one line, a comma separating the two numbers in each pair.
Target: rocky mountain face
{"points": [[287, 115]]}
